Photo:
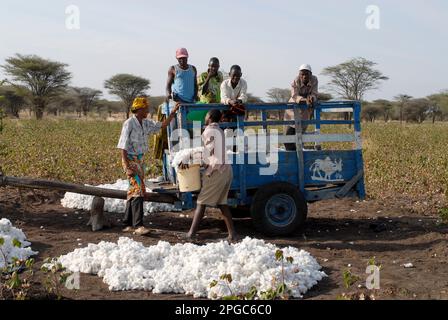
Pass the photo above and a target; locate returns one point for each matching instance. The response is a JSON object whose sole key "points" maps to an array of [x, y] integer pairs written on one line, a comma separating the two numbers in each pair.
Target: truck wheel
{"points": [[278, 209]]}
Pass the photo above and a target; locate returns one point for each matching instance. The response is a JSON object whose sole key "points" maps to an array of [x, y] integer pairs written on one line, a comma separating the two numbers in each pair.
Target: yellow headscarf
{"points": [[139, 103]]}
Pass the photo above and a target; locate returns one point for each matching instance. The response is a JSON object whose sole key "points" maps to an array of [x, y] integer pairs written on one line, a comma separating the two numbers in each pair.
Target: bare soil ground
{"points": [[340, 234]]}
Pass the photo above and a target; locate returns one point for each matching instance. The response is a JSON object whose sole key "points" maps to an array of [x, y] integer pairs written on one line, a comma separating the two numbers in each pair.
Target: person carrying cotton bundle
{"points": [[217, 178]]}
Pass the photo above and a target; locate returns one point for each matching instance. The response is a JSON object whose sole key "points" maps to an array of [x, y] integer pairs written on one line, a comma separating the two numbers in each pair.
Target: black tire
{"points": [[278, 209]]}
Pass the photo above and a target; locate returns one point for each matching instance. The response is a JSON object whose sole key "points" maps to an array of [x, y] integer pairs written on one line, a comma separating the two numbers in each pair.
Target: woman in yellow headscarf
{"points": [[134, 144]]}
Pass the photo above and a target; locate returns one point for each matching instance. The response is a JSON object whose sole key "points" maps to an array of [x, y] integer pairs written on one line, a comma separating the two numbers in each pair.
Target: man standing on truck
{"points": [[304, 89], [209, 83], [234, 89], [234, 94], [182, 85]]}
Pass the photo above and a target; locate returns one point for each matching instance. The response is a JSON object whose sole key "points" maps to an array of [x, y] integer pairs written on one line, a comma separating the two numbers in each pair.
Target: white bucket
{"points": [[189, 179]]}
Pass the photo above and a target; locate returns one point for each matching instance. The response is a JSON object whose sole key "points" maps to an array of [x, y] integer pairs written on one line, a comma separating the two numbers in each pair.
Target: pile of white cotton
{"points": [[189, 268], [80, 201], [9, 233]]}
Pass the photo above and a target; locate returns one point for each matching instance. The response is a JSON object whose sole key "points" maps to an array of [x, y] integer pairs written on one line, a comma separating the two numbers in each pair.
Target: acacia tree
{"points": [[44, 79], [385, 107], [127, 87], [87, 98], [439, 105], [370, 111], [417, 110], [278, 95], [66, 102], [353, 78], [402, 100], [13, 100]]}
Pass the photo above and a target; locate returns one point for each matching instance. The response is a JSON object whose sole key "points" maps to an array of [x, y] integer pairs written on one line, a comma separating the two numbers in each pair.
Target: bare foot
{"points": [[186, 237], [234, 238], [128, 229]]}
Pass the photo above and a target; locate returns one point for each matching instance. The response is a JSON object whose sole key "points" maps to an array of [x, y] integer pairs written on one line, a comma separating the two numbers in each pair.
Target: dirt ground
{"points": [[340, 234]]}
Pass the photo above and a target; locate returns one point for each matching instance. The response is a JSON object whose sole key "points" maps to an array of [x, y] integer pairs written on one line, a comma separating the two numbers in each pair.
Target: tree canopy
{"points": [[278, 95], [43, 78], [127, 87], [353, 78], [87, 98]]}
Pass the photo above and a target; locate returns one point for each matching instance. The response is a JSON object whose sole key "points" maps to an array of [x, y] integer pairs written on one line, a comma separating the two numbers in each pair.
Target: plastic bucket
{"points": [[189, 179]]}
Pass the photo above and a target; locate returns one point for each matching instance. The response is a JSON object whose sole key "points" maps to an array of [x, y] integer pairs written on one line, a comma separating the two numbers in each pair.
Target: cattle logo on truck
{"points": [[327, 170]]}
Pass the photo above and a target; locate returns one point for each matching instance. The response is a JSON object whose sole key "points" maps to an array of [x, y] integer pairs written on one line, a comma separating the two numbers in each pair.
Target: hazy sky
{"points": [[268, 38]]}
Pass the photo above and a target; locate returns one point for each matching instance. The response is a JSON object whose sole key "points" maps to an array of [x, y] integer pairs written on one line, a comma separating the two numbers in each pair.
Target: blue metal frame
{"points": [[300, 168]]}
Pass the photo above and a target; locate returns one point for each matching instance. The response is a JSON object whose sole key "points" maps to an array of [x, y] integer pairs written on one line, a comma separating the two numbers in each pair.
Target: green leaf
{"points": [[251, 294], [227, 277], [213, 283], [14, 282], [281, 289], [16, 243], [279, 255], [290, 259], [29, 263], [2, 241]]}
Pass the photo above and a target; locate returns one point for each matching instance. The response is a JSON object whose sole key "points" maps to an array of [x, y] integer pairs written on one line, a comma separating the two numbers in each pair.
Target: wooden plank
{"points": [[349, 185], [81, 189], [325, 194], [299, 148]]}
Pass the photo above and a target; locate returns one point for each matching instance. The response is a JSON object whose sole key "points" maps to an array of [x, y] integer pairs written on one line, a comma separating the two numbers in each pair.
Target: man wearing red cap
{"points": [[182, 85]]}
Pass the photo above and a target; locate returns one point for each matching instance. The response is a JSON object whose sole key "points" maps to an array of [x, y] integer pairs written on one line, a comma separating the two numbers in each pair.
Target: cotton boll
{"points": [[8, 233]]}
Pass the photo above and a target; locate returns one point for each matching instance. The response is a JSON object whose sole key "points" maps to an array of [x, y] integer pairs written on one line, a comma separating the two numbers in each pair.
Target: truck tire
{"points": [[278, 209]]}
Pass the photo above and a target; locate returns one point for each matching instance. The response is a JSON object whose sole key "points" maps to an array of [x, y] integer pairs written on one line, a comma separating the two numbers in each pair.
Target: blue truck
{"points": [[274, 189]]}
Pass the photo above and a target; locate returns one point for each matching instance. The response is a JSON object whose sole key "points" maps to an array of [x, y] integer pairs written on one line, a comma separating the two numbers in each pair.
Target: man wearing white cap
{"points": [[304, 89]]}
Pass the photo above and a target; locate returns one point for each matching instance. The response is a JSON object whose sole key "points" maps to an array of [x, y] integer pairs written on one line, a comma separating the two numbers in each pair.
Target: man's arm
{"points": [[169, 83], [225, 97], [195, 97], [243, 93], [314, 89], [295, 92], [168, 120], [203, 83]]}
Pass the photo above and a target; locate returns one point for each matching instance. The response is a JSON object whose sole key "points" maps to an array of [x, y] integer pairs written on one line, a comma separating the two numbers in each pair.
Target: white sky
{"points": [[269, 39]]}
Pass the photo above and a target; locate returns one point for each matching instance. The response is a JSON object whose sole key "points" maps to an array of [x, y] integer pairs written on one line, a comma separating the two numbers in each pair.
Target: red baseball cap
{"points": [[181, 53]]}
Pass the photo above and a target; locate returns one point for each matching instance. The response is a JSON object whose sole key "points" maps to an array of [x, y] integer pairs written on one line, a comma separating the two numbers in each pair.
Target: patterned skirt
{"points": [[137, 186]]}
